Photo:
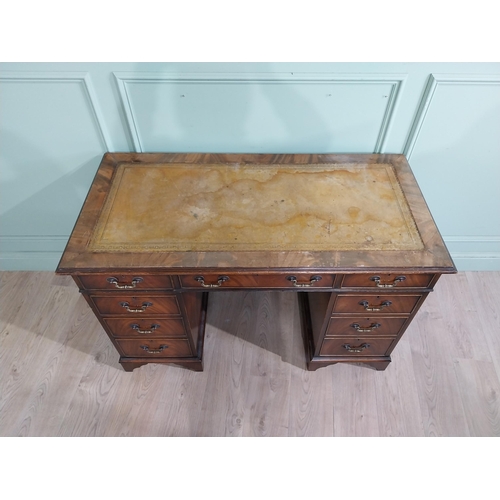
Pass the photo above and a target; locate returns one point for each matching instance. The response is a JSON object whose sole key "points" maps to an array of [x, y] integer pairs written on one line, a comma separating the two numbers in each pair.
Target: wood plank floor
{"points": [[59, 374]]}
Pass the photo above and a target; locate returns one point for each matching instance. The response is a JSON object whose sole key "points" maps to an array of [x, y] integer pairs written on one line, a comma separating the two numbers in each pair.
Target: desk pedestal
{"points": [[360, 319]]}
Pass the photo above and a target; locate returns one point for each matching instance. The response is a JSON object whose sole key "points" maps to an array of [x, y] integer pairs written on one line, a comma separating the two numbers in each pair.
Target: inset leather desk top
{"points": [[217, 207], [192, 211]]}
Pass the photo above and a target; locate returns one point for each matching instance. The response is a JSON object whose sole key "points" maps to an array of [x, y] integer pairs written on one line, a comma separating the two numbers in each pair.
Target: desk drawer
{"points": [[387, 281], [146, 327], [299, 281], [356, 346], [159, 348], [136, 305], [125, 282], [377, 326], [375, 304]]}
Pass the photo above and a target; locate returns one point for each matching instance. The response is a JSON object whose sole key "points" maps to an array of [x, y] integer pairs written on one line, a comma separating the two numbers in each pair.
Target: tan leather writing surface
{"points": [[215, 207]]}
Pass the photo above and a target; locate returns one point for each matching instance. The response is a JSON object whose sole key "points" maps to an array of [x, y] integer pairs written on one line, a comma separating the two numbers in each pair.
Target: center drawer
{"points": [[300, 281], [136, 304], [365, 325]]}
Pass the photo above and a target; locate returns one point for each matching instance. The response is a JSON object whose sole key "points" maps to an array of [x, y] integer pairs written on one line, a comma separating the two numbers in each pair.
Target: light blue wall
{"points": [[57, 120]]}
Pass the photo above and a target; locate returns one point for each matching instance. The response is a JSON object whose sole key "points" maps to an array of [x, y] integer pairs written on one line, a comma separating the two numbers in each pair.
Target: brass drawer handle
{"points": [[313, 280], [123, 286], [144, 306], [220, 280], [359, 348], [370, 328], [154, 351], [370, 308], [397, 280], [153, 327]]}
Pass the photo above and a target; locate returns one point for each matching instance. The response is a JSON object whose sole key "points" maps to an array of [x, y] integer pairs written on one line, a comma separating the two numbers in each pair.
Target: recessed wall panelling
{"points": [[273, 113], [455, 151], [57, 120], [52, 141]]}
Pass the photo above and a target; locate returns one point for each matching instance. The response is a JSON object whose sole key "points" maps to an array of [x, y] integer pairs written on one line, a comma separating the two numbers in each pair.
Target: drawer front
{"points": [[155, 348], [365, 325], [386, 281], [136, 305], [375, 304], [356, 346], [146, 327], [125, 282], [300, 281]]}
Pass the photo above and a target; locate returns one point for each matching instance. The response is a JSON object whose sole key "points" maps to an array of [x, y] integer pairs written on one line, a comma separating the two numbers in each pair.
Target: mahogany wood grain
{"points": [[155, 262], [380, 326], [194, 307], [389, 303], [367, 346], [128, 305], [132, 327], [319, 309], [136, 281], [153, 348], [77, 257], [302, 281], [391, 279]]}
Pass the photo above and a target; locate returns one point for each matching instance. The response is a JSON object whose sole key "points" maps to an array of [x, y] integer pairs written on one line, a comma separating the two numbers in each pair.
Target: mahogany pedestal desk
{"points": [[159, 233]]}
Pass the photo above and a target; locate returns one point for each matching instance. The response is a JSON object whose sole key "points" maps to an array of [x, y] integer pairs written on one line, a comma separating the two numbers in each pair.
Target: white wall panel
{"points": [[57, 120], [454, 150], [259, 113], [52, 138], [48, 124]]}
